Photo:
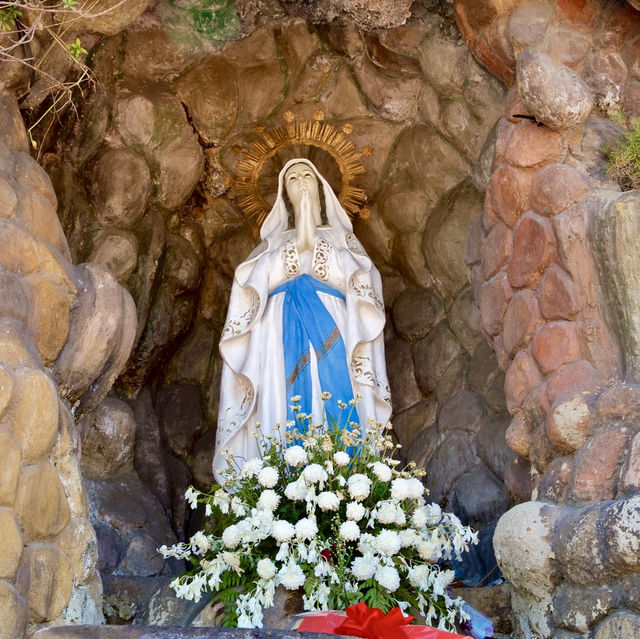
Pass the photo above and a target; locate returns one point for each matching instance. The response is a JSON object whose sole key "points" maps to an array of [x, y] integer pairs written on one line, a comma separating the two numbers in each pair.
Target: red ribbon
{"points": [[372, 623]]}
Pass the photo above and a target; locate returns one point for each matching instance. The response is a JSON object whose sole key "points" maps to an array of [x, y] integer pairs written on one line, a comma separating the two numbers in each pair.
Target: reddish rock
{"points": [[582, 13], [597, 464], [556, 478], [599, 343], [521, 320], [476, 15], [508, 193], [632, 98], [557, 294], [577, 376], [621, 23], [518, 480], [534, 248], [502, 357], [630, 479], [537, 403], [567, 46], [556, 188], [489, 217], [532, 145], [477, 280], [473, 247], [554, 94], [527, 25], [519, 435], [542, 450], [492, 300], [467, 23], [569, 423], [504, 130], [619, 402], [514, 107], [555, 344], [495, 52], [522, 377], [605, 73], [496, 249]]}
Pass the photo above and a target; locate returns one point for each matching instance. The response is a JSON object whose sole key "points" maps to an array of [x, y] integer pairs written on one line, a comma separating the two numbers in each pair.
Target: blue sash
{"points": [[306, 322]]}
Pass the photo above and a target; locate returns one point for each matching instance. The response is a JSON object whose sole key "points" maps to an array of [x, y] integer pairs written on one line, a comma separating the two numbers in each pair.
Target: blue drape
{"points": [[305, 323]]}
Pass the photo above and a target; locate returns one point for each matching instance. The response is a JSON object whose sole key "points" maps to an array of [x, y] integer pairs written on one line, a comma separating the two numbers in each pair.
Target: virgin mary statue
{"points": [[305, 318]]}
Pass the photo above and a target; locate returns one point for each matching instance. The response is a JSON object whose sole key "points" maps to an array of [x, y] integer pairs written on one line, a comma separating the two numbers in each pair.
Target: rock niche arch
{"points": [[509, 268]]}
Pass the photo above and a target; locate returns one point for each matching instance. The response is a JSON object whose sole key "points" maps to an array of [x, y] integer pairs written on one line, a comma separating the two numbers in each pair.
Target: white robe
{"points": [[253, 387]]}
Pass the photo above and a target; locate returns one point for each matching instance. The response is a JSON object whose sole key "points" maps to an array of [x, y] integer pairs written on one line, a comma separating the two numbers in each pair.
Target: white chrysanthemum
{"points": [[419, 519], [428, 551], [268, 477], [341, 458], [315, 473], [238, 507], [364, 568], [387, 513], [415, 488], [349, 530], [328, 501], [381, 471], [388, 577], [306, 528], [282, 530], [296, 490], [419, 576], [408, 537], [231, 536], [252, 467], [388, 543], [367, 543], [400, 488], [295, 456], [201, 542], [359, 486], [231, 559], [269, 500], [266, 568], [291, 576], [355, 511]]}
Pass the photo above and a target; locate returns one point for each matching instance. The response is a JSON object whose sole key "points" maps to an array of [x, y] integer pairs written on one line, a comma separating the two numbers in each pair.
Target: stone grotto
{"points": [[510, 268]]}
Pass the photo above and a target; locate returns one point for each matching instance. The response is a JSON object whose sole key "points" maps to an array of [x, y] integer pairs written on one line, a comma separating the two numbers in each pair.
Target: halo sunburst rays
{"points": [[315, 133]]}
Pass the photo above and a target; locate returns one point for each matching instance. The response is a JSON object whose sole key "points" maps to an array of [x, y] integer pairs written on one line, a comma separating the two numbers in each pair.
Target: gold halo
{"points": [[317, 133]]}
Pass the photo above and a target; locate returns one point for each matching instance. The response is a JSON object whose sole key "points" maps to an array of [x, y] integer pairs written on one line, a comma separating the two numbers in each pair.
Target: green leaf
{"points": [[8, 17], [76, 49]]}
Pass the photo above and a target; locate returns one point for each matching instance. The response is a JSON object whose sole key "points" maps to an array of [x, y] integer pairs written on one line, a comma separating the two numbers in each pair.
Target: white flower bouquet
{"points": [[325, 510]]}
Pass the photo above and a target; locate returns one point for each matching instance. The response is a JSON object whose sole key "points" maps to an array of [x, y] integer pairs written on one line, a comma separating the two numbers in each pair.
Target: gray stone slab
{"points": [[159, 632]]}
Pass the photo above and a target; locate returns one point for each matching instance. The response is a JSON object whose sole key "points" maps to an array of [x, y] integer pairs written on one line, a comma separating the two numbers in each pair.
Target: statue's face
{"points": [[298, 180]]}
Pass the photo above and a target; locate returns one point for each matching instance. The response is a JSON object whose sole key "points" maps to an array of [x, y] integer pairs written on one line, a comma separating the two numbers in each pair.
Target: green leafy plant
{"points": [[8, 16], [76, 49], [326, 510], [624, 158]]}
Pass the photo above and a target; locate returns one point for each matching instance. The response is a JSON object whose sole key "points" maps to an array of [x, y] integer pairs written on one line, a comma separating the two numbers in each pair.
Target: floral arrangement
{"points": [[324, 509]]}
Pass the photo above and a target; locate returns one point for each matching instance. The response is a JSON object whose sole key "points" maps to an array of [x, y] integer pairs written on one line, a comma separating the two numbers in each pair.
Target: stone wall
{"points": [[555, 276], [65, 333]]}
